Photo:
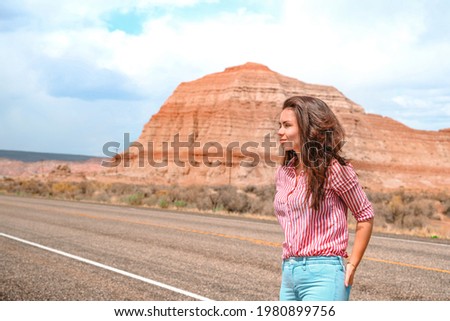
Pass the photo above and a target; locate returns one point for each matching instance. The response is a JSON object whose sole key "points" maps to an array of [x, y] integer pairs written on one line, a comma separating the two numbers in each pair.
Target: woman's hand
{"points": [[349, 274]]}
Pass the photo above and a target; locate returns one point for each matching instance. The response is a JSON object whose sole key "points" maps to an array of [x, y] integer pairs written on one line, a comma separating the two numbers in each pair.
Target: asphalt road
{"points": [[62, 250]]}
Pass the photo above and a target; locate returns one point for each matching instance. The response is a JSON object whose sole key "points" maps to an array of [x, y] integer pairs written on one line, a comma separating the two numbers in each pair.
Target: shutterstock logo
{"points": [[191, 152], [182, 152]]}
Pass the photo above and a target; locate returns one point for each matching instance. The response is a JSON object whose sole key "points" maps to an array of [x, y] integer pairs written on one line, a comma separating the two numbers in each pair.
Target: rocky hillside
{"points": [[221, 129]]}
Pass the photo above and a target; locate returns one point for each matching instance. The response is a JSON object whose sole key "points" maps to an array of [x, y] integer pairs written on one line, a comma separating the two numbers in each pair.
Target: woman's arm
{"points": [[344, 181], [362, 237]]}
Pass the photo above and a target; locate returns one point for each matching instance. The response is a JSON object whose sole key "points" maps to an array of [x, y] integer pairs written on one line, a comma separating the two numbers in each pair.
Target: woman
{"points": [[314, 188]]}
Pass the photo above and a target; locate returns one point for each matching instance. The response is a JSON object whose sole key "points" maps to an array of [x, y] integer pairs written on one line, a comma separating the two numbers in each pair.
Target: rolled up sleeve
{"points": [[344, 182]]}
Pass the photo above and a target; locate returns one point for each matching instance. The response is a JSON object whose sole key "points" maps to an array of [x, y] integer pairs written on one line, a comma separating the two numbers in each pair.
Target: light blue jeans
{"points": [[315, 278]]}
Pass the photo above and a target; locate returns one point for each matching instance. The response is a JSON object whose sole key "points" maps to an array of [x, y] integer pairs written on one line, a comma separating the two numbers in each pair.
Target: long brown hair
{"points": [[321, 140]]}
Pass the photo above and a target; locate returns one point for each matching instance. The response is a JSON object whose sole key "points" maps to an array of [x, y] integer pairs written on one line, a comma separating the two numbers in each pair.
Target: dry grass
{"points": [[400, 212]]}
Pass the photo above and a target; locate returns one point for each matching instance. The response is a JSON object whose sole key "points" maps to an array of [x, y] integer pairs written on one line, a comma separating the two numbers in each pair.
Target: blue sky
{"points": [[76, 74]]}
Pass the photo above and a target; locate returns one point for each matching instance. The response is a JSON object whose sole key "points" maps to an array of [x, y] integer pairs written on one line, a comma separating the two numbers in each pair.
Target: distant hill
{"points": [[30, 157]]}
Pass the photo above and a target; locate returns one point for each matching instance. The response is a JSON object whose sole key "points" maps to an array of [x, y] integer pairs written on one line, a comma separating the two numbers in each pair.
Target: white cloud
{"points": [[381, 54], [411, 102]]}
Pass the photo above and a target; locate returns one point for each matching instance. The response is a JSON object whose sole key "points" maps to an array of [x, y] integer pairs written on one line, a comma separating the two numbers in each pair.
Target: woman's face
{"points": [[289, 132]]}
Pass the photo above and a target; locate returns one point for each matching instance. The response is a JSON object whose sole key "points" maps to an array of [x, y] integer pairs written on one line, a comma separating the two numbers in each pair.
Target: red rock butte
{"points": [[223, 119]]}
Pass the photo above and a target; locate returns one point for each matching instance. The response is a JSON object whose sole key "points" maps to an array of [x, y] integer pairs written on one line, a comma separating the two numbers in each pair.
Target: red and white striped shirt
{"points": [[322, 232]]}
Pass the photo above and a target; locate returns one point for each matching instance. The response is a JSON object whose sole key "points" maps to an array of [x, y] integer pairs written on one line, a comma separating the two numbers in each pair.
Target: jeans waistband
{"points": [[316, 259]]}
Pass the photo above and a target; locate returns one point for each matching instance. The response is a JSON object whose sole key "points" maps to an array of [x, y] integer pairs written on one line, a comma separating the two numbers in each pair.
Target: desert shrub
{"points": [[32, 187], [396, 209], [83, 189], [134, 199], [205, 201], [422, 207], [121, 189], [64, 189], [411, 222], [101, 196], [260, 199], [197, 197], [407, 209], [163, 203], [150, 200], [266, 192], [266, 195], [378, 197], [250, 189], [5, 184], [218, 208], [446, 207], [262, 206], [382, 213], [231, 200], [174, 193], [177, 195], [179, 204], [89, 188]]}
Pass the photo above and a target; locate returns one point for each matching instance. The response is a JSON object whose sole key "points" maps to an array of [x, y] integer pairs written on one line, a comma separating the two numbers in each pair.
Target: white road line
{"points": [[408, 241], [109, 268]]}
